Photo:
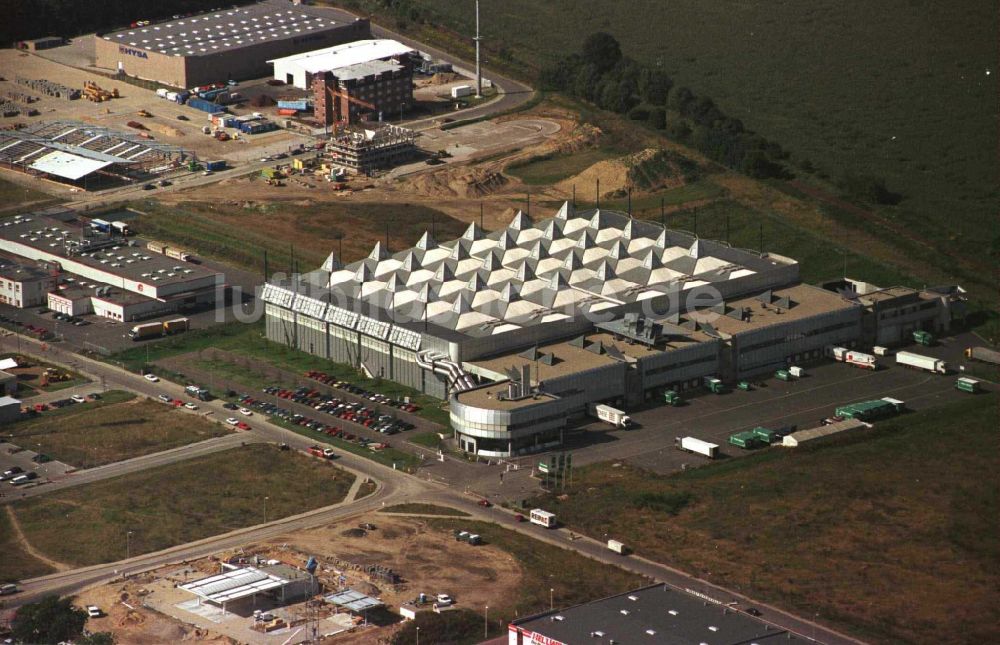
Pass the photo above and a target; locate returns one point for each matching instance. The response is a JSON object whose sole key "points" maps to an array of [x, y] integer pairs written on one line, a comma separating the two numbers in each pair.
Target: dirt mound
{"points": [[262, 100], [442, 78], [648, 169], [582, 136], [166, 129], [457, 182]]}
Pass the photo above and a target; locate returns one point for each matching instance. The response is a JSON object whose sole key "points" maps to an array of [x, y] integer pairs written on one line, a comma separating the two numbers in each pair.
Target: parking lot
{"points": [[801, 403], [13, 456]]}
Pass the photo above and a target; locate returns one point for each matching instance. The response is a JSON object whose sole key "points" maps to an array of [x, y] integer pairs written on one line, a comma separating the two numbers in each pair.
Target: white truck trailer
{"points": [[921, 362], [542, 518], [697, 446], [618, 547], [611, 415]]}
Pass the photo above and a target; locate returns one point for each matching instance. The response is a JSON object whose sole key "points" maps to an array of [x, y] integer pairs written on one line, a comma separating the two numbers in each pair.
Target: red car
{"points": [[519, 518], [242, 425], [315, 451], [485, 503]]}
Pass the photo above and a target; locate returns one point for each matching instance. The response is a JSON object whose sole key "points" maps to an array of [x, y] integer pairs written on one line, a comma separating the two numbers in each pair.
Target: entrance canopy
{"points": [[354, 601], [231, 585]]}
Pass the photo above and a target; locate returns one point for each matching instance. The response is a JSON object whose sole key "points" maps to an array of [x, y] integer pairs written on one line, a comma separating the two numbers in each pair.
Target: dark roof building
{"points": [[656, 614]]}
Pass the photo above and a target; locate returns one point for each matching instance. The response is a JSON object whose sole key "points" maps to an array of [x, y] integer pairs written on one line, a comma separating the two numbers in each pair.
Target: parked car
{"points": [[233, 421], [11, 473], [152, 378], [246, 412], [190, 406], [78, 398], [93, 611]]}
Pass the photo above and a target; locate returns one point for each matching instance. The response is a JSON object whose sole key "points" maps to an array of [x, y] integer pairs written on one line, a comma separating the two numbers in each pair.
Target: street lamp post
{"points": [[486, 623], [265, 508], [552, 605], [128, 545], [418, 636]]}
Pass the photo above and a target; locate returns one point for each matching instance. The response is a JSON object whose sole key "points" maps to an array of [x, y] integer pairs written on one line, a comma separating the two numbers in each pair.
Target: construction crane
{"points": [[335, 94]]}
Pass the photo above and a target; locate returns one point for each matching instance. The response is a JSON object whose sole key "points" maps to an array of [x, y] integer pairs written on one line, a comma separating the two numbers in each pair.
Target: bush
{"points": [[657, 118], [868, 188], [458, 626], [670, 503], [50, 620]]}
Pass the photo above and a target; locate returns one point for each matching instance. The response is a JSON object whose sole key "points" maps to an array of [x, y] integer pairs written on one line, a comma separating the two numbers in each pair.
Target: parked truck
{"points": [[966, 384], [618, 547], [983, 354], [121, 227], [697, 446], [746, 440], [611, 415], [924, 338], [177, 254], [176, 326], [713, 385], [100, 225], [156, 247], [920, 362], [852, 357], [147, 330], [198, 392]]}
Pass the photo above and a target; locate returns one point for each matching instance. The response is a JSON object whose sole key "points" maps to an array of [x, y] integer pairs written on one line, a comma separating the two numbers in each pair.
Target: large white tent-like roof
{"points": [[235, 584]]}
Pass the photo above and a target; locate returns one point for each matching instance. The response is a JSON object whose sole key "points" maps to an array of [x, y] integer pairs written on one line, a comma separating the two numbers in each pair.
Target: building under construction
{"points": [[363, 151]]}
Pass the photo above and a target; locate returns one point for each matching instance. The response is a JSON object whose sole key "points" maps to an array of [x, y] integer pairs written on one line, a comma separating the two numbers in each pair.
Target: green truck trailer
{"points": [[767, 436], [747, 440], [871, 410], [713, 385], [966, 384], [672, 397], [924, 338]]}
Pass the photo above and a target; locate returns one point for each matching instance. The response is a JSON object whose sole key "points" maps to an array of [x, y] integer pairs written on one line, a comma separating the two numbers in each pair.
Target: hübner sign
{"points": [[132, 52]]}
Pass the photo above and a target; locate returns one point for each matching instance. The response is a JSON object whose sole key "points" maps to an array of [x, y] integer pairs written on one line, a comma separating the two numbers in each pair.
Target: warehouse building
{"points": [[892, 314], [654, 614], [299, 70], [522, 328], [105, 273], [229, 44]]}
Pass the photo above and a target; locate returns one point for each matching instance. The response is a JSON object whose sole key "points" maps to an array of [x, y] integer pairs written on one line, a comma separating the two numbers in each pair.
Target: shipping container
{"points": [[618, 547], [215, 165], [162, 92], [287, 111], [182, 97], [767, 436], [156, 247], [177, 254], [924, 338], [690, 444], [204, 106], [870, 410], [966, 384], [298, 104], [459, 91], [746, 440]]}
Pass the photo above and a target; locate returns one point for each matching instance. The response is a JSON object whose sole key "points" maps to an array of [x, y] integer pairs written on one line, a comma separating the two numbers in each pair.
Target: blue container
{"points": [[182, 97], [205, 106], [301, 105], [215, 165]]}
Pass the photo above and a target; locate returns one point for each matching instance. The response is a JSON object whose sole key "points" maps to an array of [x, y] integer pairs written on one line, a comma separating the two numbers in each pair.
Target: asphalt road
{"points": [[393, 487]]}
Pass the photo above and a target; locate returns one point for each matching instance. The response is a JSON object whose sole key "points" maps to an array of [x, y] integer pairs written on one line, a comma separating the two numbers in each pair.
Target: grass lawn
{"points": [[14, 195], [115, 428], [428, 439], [240, 236], [426, 509], [553, 168], [16, 563], [207, 496], [890, 534]]}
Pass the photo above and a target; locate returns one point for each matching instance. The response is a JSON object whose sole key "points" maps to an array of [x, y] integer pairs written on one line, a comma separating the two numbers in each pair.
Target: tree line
{"points": [[602, 75]]}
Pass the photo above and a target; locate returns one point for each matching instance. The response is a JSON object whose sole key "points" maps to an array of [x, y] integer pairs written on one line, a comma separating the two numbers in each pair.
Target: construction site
{"points": [[353, 583], [363, 150]]}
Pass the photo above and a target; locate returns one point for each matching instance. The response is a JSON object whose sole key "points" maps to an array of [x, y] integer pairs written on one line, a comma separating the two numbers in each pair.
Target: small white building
{"points": [[10, 409], [24, 286]]}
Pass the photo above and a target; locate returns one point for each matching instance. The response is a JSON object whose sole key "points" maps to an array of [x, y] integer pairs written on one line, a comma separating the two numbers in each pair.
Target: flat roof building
{"points": [[234, 43], [349, 59], [654, 614]]}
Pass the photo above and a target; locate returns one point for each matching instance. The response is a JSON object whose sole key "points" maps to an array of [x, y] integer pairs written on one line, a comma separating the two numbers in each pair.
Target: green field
{"points": [[549, 573], [551, 169], [888, 534], [240, 234], [14, 196], [16, 564], [205, 496], [115, 428], [900, 90]]}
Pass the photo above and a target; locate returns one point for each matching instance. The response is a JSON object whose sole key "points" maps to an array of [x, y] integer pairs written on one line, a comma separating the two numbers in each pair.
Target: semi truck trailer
{"points": [[920, 362], [176, 326], [611, 415], [697, 446], [983, 354], [851, 357], [147, 330]]}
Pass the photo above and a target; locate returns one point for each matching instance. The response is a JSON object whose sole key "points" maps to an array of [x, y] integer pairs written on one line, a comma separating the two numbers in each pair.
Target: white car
{"points": [[190, 406], [93, 611], [152, 378], [246, 412], [76, 398], [444, 600], [232, 421]]}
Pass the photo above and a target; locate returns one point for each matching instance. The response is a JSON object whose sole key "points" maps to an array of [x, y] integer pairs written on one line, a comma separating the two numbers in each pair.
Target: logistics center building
{"points": [[229, 44], [522, 328]]}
